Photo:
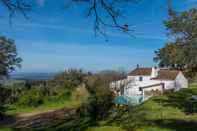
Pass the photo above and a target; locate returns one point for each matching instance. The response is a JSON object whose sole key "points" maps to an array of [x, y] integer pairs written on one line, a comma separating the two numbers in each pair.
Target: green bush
{"points": [[80, 93], [70, 78], [65, 96], [33, 98], [4, 96], [98, 104]]}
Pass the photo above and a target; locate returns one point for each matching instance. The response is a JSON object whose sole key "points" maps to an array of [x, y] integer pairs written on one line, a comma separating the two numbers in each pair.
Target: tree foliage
{"points": [[9, 59], [100, 100], [70, 78], [181, 51], [170, 56]]}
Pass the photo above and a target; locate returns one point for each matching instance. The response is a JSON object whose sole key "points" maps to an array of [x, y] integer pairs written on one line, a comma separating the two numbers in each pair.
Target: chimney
{"points": [[154, 72]]}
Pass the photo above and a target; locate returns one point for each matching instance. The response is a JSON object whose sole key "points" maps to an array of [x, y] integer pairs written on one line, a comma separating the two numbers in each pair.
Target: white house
{"points": [[146, 81]]}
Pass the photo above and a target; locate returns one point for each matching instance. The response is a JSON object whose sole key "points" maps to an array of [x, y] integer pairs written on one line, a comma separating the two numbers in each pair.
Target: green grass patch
{"points": [[169, 112], [172, 111], [152, 128], [5, 128], [106, 128], [48, 104]]}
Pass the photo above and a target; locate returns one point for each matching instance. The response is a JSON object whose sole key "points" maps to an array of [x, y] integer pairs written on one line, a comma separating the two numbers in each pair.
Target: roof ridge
{"points": [[141, 71]]}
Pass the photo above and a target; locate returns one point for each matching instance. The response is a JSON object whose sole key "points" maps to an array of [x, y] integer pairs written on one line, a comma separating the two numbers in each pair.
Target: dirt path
{"points": [[29, 114], [33, 120]]}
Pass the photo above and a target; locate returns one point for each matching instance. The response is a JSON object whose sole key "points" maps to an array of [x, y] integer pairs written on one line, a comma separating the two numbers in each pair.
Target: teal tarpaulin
{"points": [[121, 100], [125, 100]]}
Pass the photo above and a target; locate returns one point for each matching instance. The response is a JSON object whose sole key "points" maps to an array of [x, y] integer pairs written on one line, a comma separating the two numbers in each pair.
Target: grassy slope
{"points": [[51, 104], [106, 128], [170, 112], [47, 106], [163, 113], [4, 128], [30, 111]]}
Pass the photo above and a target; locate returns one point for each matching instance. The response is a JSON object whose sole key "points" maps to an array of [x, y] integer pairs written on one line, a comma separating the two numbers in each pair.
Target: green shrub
{"points": [[105, 128], [4, 96], [80, 93], [98, 104], [70, 78], [33, 98], [64, 96]]}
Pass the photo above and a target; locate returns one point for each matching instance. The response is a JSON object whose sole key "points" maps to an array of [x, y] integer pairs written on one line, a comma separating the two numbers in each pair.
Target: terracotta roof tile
{"points": [[167, 74], [141, 71]]}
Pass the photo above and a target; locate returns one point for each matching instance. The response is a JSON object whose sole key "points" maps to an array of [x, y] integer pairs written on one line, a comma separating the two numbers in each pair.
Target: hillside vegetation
{"points": [[74, 90], [173, 111], [75, 100]]}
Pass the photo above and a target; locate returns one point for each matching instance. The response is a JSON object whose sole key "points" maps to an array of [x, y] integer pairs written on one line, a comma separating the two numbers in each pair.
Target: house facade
{"points": [[147, 81]]}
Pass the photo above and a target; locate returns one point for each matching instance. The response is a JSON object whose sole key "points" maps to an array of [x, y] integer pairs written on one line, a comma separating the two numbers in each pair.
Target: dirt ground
{"points": [[34, 120]]}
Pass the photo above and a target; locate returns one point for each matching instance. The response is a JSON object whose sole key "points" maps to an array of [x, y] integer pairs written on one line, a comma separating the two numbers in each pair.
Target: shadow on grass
{"points": [[5, 119], [176, 125], [130, 118], [77, 124], [181, 99]]}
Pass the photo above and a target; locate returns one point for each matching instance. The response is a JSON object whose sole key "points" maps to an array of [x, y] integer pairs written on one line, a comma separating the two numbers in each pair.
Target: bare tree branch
{"points": [[16, 6], [98, 8], [106, 13]]}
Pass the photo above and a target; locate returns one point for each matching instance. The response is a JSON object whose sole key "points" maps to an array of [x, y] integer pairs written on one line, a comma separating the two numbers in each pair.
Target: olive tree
{"points": [[9, 61]]}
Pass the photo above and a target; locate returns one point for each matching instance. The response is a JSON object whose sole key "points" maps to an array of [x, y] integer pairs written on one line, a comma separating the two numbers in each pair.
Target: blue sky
{"points": [[55, 38]]}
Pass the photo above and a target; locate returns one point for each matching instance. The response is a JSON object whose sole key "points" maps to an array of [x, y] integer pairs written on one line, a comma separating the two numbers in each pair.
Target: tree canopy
{"points": [[181, 51], [9, 58]]}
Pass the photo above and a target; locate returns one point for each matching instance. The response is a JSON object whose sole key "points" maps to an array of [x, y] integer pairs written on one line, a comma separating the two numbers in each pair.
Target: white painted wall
{"points": [[132, 90], [133, 87], [154, 72], [145, 82], [158, 87], [168, 84], [117, 84], [181, 81], [132, 83]]}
